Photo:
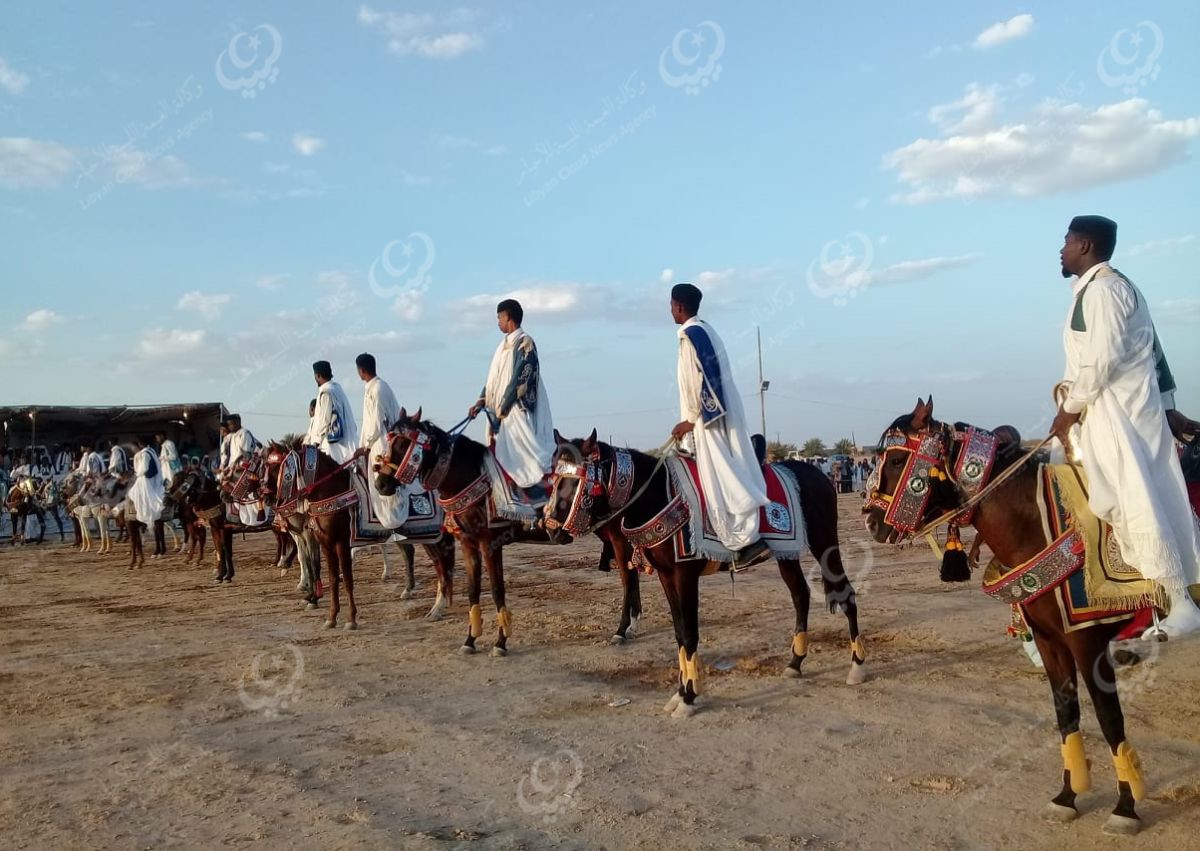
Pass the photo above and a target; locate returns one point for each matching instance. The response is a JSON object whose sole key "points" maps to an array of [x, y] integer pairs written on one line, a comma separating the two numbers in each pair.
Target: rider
{"points": [[1134, 478], [519, 424], [711, 413], [332, 426], [241, 443], [146, 493], [172, 465], [380, 413], [118, 460]]}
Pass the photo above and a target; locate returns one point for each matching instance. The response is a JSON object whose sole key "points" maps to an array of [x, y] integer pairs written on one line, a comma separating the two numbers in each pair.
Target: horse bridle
{"points": [[409, 468], [928, 453], [593, 484]]}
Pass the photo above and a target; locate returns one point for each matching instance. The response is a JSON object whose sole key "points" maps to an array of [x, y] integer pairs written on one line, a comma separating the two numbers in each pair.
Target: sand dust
{"points": [[153, 709]]}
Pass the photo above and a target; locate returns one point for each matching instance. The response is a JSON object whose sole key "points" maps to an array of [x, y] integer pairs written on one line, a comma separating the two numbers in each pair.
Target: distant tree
{"points": [[815, 447], [778, 451], [845, 446]]}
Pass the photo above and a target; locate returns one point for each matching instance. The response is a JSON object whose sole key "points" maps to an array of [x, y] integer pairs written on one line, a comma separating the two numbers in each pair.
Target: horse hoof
{"points": [[282, 572], [406, 593], [310, 605], [434, 615], [792, 673], [467, 650], [499, 652], [617, 639], [857, 675], [1121, 825], [352, 625], [1059, 813], [684, 710], [675, 701], [330, 624]]}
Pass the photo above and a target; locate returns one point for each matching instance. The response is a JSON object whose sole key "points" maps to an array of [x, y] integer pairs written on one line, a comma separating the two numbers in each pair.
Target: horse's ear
{"points": [[403, 415], [417, 416], [558, 438], [920, 415], [592, 438]]}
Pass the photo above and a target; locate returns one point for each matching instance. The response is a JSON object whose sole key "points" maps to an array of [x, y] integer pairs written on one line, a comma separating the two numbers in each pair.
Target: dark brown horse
{"points": [[917, 482], [210, 503], [453, 466], [182, 494], [20, 504], [586, 477]]}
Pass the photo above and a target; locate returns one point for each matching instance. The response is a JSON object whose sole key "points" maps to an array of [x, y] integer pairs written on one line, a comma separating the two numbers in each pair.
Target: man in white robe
{"points": [[172, 464], [332, 426], [1116, 377], [63, 462], [711, 414], [519, 424], [241, 443], [90, 462], [146, 493], [380, 413], [118, 459]]}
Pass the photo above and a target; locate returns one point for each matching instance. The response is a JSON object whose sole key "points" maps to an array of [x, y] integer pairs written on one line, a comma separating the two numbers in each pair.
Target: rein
{"points": [[664, 453]]}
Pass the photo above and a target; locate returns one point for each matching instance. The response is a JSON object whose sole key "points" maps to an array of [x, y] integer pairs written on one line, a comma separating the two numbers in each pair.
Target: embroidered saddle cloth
{"points": [[780, 522], [421, 524], [508, 501]]}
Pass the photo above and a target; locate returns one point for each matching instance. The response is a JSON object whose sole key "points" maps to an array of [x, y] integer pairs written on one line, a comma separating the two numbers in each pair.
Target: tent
{"points": [[193, 426]]}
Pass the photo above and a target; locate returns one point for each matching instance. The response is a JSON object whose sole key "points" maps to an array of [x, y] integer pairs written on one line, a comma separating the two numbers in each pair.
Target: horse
{"points": [[282, 483], [49, 498], [101, 498], [181, 494], [584, 485], [454, 467], [929, 468], [21, 502], [211, 502]]}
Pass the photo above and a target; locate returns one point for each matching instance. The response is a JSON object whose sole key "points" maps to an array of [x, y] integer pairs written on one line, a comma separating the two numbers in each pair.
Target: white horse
{"points": [[101, 500]]}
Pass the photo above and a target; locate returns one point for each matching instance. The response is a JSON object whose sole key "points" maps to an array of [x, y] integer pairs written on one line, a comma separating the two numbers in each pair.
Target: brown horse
{"points": [[182, 493], [22, 502], [925, 470], [583, 483], [453, 466], [282, 461], [210, 502]]}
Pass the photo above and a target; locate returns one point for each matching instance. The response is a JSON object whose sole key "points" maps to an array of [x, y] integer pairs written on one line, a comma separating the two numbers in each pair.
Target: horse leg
{"points": [[839, 593], [1102, 687], [329, 550], [135, 543], [631, 602], [408, 554], [687, 581], [346, 560], [493, 558], [1060, 671], [666, 577], [41, 519], [475, 613], [227, 551], [797, 585], [442, 556], [160, 538]]}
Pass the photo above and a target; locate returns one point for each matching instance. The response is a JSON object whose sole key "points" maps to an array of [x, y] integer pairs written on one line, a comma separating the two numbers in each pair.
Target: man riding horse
{"points": [[1125, 434]]}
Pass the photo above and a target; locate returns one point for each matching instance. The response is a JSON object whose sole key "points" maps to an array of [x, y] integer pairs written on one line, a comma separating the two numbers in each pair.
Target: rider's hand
{"points": [[681, 429], [1061, 427], [1181, 426], [474, 410]]}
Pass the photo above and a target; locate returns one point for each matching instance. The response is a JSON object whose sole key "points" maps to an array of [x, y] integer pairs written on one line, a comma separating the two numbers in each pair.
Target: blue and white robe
{"points": [[332, 426], [733, 484]]}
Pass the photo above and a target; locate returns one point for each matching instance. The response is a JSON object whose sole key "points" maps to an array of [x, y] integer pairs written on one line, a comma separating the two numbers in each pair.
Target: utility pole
{"points": [[762, 385]]}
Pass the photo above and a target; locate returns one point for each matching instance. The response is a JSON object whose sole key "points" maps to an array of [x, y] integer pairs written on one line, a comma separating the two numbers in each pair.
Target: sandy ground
{"points": [[154, 709]]}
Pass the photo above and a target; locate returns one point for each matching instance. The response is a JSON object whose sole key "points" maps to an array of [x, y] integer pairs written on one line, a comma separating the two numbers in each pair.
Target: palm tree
{"points": [[845, 446], [814, 447], [777, 451]]}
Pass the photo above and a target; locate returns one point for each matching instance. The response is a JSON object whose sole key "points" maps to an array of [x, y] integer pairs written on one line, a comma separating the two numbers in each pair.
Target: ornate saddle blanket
{"points": [[780, 522], [508, 501], [422, 523]]}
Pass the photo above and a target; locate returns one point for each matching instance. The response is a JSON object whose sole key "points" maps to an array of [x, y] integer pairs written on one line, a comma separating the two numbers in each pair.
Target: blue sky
{"points": [[197, 202]]}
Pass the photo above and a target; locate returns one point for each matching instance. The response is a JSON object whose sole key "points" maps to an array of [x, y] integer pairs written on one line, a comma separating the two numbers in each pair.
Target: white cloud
{"points": [[411, 179], [12, 80], [160, 343], [909, 270], [409, 305], [1059, 147], [975, 111], [567, 300], [271, 282], [40, 320], [1159, 246], [133, 166], [306, 145], [463, 143], [26, 162], [1002, 31], [207, 305], [430, 36], [1180, 310], [334, 279], [666, 276], [254, 136]]}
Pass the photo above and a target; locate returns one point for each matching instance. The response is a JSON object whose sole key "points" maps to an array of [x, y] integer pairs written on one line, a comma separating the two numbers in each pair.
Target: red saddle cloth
{"points": [[771, 520]]}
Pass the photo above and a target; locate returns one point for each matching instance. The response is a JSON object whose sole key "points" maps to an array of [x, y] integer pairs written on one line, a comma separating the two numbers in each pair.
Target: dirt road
{"points": [[151, 709]]}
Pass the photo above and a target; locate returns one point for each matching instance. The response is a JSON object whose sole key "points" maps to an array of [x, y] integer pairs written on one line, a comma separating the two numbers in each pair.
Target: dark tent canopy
{"points": [[193, 426]]}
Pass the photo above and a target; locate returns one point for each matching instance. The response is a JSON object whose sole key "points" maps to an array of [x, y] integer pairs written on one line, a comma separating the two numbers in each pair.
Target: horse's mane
{"points": [[473, 451]]}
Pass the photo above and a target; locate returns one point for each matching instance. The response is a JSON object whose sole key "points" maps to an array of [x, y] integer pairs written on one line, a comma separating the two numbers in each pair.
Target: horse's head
{"points": [[580, 487], [274, 456], [410, 451], [910, 485]]}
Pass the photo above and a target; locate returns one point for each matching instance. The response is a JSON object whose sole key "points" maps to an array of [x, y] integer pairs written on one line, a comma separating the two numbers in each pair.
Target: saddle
{"points": [[510, 501]]}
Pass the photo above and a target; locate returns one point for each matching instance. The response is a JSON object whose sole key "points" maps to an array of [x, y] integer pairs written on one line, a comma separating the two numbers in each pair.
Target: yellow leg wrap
{"points": [[1075, 761], [476, 621], [859, 648], [689, 670], [1129, 770], [504, 620], [800, 644]]}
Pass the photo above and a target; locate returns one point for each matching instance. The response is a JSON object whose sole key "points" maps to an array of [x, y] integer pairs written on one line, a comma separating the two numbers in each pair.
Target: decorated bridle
{"points": [[942, 453], [409, 467], [617, 485]]}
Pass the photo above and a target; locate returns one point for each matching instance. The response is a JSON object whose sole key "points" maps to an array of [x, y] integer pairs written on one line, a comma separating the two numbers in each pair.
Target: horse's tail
{"points": [[818, 501]]}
